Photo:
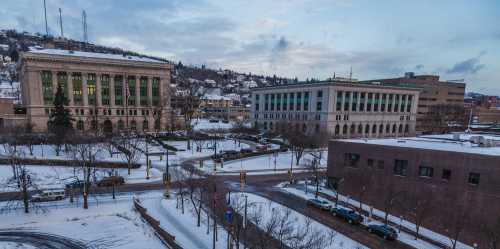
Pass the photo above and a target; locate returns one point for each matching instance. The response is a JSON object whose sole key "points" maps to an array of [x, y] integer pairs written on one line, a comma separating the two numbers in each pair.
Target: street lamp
{"points": [[167, 177]]}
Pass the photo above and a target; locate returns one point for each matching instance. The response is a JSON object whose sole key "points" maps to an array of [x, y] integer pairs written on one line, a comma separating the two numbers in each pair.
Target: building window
{"points": [[370, 162], [62, 80], [266, 102], [143, 89], [272, 102], [347, 100], [425, 171], [77, 88], [351, 159], [446, 174], [319, 106], [299, 101], [291, 97], [118, 90], [408, 106], [380, 164], [354, 101], [306, 101], [319, 94], [377, 102], [105, 93], [48, 95], [362, 102], [278, 102], [155, 85], [285, 101], [339, 101], [400, 167], [91, 89], [131, 90], [474, 178], [370, 101]]}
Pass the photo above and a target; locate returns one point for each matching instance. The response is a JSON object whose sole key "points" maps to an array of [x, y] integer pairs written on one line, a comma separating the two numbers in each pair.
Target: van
{"points": [[49, 195]]}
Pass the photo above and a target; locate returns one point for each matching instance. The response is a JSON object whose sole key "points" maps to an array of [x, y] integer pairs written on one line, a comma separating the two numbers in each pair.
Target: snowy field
{"points": [[183, 225], [403, 237], [261, 210], [106, 224], [265, 164]]}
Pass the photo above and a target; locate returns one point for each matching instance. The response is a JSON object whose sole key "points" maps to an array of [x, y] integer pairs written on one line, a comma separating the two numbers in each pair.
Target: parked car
{"points": [[261, 147], [110, 181], [49, 195], [350, 215], [225, 121], [383, 231], [246, 151], [321, 204], [213, 121], [75, 184]]}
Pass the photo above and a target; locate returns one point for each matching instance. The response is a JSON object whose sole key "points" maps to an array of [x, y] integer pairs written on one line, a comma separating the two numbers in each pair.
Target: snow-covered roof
{"points": [[37, 50], [464, 143], [214, 97]]}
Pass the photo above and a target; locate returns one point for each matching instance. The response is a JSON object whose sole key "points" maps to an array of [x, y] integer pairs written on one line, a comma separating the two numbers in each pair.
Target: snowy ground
{"points": [[403, 237], [265, 164], [106, 224], [12, 245], [262, 210], [183, 225]]}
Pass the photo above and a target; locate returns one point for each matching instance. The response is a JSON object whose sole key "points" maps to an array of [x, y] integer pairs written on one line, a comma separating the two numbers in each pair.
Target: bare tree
{"points": [[85, 152], [454, 223], [128, 146], [392, 198], [420, 207], [196, 191], [490, 231]]}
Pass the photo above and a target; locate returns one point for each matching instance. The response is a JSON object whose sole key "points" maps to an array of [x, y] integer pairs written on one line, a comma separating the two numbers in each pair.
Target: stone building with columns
{"points": [[343, 108], [109, 91]]}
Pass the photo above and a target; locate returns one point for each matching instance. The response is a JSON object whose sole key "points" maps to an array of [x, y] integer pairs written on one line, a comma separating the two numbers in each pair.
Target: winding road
{"points": [[40, 240]]}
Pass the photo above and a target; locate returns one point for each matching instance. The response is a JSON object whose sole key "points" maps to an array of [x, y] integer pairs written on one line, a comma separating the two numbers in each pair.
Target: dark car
{"points": [[110, 181], [383, 231], [246, 151], [324, 205], [350, 215], [75, 184], [213, 121]]}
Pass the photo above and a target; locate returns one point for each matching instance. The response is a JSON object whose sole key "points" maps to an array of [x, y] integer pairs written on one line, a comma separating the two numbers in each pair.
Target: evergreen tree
{"points": [[60, 120]]}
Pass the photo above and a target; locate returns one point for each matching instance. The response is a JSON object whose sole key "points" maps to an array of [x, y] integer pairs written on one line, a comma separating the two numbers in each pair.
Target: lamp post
{"points": [[167, 177]]}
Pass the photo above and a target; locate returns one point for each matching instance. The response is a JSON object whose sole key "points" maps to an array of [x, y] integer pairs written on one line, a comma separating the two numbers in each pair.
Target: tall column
{"points": [[84, 89], [343, 102], [69, 75], [380, 95], [394, 104], [150, 91], [98, 88], [112, 90], [358, 102], [351, 96], [138, 91]]}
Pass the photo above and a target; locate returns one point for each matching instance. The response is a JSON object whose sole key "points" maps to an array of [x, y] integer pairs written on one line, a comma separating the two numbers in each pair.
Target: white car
{"points": [[49, 195]]}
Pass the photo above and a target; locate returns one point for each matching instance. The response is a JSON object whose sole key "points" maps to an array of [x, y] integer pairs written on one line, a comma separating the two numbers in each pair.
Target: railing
{"points": [[164, 236]]}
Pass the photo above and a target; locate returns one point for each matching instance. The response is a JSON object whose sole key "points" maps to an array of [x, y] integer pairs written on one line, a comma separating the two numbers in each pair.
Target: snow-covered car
{"points": [[49, 195], [321, 204], [383, 231], [350, 215]]}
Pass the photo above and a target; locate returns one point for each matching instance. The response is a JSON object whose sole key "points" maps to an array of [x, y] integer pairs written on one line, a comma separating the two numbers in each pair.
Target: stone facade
{"points": [[342, 108], [119, 92]]}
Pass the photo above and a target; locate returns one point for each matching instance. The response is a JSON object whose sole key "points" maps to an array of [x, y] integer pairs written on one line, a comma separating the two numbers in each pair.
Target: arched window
{"points": [[374, 129], [145, 125], [400, 130], [337, 129], [394, 128], [133, 125], [121, 124], [381, 129], [407, 128], [360, 129], [304, 128], [353, 129], [107, 126], [367, 128], [79, 125], [388, 129], [344, 129], [157, 124]]}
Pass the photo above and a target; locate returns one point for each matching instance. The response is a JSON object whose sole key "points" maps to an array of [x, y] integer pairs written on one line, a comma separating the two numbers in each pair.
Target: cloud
{"points": [[469, 66]]}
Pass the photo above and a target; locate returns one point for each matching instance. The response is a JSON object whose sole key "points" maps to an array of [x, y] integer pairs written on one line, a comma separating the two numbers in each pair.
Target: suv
{"points": [[110, 181], [323, 205], [383, 231], [350, 215], [49, 195]]}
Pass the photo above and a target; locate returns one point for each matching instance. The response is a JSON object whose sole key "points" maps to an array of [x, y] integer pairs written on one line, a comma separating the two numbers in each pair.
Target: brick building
{"points": [[110, 91], [434, 92], [458, 172]]}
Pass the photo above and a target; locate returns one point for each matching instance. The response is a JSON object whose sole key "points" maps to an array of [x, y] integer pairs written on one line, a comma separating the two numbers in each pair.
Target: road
{"points": [[40, 240]]}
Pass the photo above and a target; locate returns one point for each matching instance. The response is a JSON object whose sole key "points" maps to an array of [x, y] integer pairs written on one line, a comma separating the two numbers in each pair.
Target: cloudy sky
{"points": [[457, 39]]}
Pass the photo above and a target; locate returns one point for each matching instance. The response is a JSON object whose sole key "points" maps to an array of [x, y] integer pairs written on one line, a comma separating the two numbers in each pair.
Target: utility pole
{"points": [[147, 158], [60, 22], [214, 236], [46, 25], [167, 176]]}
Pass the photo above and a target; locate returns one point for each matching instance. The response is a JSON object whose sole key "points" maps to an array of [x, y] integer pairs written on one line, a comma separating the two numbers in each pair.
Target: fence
{"points": [[165, 237]]}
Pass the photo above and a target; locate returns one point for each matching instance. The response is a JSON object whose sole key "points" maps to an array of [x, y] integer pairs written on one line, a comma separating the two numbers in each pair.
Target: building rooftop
{"points": [[344, 81], [464, 143], [39, 50]]}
